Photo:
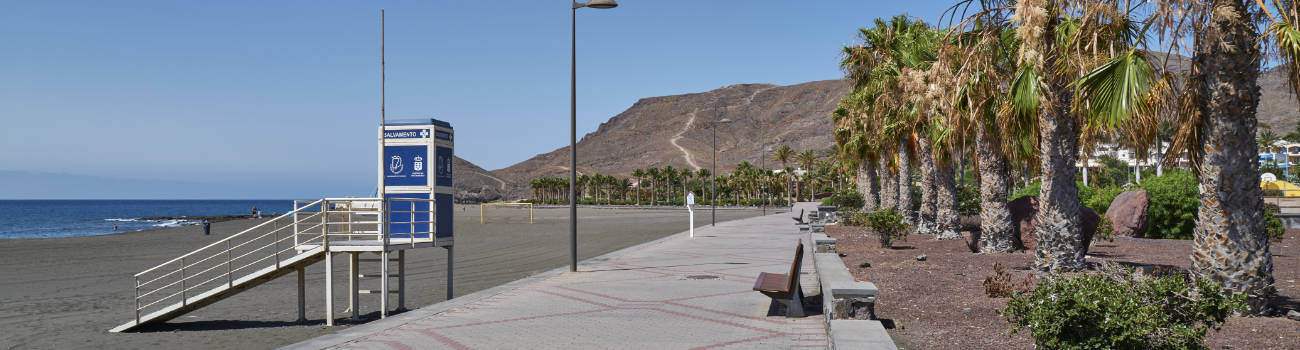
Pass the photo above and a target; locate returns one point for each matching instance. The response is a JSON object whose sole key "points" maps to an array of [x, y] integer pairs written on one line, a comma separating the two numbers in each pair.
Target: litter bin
{"points": [[207, 228]]}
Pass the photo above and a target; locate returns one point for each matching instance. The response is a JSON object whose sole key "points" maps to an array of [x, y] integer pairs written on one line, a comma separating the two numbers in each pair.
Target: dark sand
{"points": [[66, 293]]}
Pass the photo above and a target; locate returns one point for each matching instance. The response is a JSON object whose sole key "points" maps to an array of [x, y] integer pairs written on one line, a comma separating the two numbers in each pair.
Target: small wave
{"points": [[174, 223], [122, 220]]}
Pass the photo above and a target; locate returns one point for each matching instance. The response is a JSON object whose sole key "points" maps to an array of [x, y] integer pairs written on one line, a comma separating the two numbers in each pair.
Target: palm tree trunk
{"points": [[905, 182], [1060, 235], [888, 185], [925, 160], [996, 230], [867, 185], [1231, 245], [1061, 241], [947, 219]]}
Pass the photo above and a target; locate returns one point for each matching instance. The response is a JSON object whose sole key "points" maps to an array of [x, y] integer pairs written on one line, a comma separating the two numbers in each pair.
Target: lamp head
{"points": [[597, 4]]}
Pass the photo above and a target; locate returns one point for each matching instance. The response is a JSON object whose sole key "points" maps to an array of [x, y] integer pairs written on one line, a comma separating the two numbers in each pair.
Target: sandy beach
{"points": [[67, 292]]}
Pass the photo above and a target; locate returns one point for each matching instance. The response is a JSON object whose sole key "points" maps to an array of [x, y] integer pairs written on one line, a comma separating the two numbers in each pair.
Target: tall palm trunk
{"points": [[867, 185], [1060, 235], [947, 219], [925, 159], [1061, 244], [997, 233], [905, 182], [888, 185], [1231, 245]]}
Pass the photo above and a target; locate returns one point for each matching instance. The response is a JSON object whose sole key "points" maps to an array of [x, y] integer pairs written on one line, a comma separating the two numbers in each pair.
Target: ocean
{"points": [[75, 218]]}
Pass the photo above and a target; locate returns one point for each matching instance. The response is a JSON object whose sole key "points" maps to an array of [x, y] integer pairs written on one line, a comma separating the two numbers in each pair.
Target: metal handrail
{"points": [[226, 239], [316, 223]]}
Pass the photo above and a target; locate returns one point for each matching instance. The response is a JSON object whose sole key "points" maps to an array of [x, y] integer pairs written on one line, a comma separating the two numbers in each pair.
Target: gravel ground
{"points": [[939, 303]]}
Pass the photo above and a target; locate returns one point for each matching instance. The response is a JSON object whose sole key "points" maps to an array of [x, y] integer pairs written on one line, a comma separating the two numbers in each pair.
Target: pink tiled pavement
{"points": [[639, 299]]}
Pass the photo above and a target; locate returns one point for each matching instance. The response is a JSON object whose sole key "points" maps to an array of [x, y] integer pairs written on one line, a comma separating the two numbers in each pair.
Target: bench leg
{"points": [[794, 307]]}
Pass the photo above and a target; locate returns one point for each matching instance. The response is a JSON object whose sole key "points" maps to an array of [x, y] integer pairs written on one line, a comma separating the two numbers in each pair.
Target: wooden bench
{"points": [[799, 219], [785, 288]]}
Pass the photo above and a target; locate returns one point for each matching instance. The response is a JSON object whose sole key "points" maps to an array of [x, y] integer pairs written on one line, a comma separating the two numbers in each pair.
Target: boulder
{"points": [[973, 240], [1024, 216], [1128, 213], [1090, 219]]}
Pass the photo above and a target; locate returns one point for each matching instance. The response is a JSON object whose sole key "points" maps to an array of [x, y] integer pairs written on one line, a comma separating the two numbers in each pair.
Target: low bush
{"points": [[1032, 189], [1102, 198], [968, 200], [846, 198], [1105, 230], [1272, 223], [888, 225], [1002, 284], [1174, 200], [1120, 309]]}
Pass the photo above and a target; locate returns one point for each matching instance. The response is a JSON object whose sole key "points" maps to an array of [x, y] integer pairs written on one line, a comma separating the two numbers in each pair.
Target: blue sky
{"points": [[230, 93]]}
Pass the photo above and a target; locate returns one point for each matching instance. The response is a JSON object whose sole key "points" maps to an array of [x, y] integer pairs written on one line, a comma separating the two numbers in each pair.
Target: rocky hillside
{"points": [[474, 184], [1278, 108], [674, 130]]}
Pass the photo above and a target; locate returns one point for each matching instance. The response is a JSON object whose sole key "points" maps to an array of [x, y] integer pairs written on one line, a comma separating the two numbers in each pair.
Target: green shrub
{"points": [[1102, 199], [1272, 223], [846, 198], [1105, 230], [1119, 309], [1174, 200], [853, 218], [968, 200], [1032, 189], [888, 225]]}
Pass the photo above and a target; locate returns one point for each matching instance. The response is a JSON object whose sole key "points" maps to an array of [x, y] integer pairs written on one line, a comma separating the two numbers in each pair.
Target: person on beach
{"points": [[254, 211]]}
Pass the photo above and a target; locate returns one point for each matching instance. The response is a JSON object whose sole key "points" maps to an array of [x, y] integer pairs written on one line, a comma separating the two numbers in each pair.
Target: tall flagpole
{"points": [[382, 113]]}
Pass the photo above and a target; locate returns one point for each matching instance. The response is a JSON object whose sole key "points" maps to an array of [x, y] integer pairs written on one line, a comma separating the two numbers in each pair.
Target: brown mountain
{"points": [[1278, 108], [674, 130]]}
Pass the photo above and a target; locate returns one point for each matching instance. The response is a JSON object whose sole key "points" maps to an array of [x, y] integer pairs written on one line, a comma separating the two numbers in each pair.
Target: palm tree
{"points": [[984, 53], [669, 173], [783, 154], [638, 173], [686, 176], [1219, 114], [1266, 138], [806, 160], [653, 173], [705, 174]]}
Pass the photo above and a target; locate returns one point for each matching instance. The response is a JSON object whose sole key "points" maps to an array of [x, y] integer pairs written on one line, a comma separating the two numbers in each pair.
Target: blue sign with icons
{"points": [[406, 166]]}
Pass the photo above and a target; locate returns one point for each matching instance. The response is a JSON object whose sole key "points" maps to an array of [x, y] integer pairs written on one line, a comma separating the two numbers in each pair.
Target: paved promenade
{"points": [[674, 293]]}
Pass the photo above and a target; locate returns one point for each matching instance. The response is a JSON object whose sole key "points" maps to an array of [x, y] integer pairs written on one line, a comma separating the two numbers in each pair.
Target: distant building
{"points": [[1126, 155]]}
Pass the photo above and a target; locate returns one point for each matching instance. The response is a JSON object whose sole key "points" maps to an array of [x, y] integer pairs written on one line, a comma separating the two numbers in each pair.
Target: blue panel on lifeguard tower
{"points": [[406, 166], [401, 224], [417, 163]]}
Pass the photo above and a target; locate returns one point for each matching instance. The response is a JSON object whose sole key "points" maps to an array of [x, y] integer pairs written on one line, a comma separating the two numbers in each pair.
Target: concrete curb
{"points": [[375, 327]]}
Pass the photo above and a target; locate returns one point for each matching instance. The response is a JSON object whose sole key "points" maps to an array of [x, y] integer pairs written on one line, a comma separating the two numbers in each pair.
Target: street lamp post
{"points": [[573, 126], [713, 182]]}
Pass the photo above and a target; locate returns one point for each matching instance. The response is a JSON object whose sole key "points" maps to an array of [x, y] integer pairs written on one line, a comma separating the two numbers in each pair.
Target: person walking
{"points": [[255, 212]]}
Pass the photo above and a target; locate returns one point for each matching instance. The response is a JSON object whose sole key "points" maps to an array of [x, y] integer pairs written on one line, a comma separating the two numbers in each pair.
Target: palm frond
{"points": [[1114, 92]]}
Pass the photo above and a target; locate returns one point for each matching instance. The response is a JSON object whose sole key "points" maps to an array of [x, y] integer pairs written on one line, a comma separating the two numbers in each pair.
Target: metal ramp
{"points": [[285, 244]]}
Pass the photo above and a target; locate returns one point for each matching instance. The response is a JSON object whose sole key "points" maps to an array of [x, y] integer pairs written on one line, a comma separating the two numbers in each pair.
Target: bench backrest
{"points": [[795, 267]]}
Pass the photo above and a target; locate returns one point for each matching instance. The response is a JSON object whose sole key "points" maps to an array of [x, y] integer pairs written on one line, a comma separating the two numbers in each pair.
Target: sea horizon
{"points": [[63, 218]]}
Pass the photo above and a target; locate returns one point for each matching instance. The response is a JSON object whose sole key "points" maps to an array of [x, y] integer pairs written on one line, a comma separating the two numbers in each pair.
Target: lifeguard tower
{"points": [[412, 210]]}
